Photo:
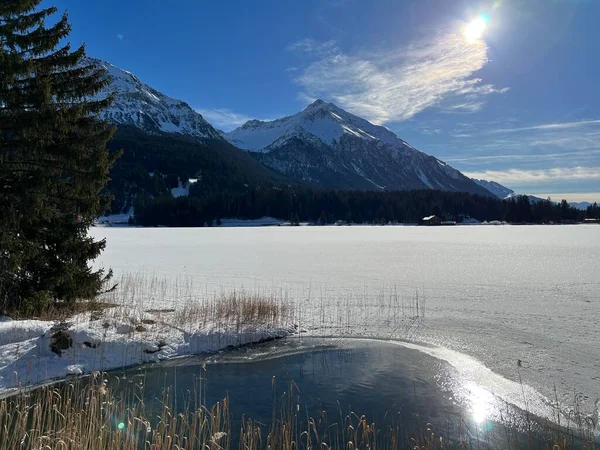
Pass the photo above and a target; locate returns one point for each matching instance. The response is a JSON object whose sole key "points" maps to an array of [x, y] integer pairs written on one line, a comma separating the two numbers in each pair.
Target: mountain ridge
{"points": [[322, 144], [159, 134], [331, 147], [497, 189], [138, 104]]}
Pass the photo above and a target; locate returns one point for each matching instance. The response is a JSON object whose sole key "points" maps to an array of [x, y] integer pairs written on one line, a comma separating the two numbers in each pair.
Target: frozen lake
{"points": [[488, 296]]}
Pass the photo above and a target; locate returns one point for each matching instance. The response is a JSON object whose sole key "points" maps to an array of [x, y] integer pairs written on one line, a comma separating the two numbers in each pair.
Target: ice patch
{"points": [[478, 378], [75, 369], [351, 131], [151, 95]]}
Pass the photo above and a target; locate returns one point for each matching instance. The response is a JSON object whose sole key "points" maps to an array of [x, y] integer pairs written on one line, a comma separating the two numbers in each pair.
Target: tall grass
{"points": [[93, 414], [387, 313], [237, 309], [88, 416], [177, 303]]}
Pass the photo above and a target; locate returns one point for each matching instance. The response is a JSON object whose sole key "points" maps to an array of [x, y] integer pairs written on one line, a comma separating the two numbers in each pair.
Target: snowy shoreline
{"points": [[112, 341], [132, 338]]}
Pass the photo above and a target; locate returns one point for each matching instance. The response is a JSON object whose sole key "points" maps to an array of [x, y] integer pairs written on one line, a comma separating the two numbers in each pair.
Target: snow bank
{"points": [[181, 190], [115, 218], [21, 330], [119, 338]]}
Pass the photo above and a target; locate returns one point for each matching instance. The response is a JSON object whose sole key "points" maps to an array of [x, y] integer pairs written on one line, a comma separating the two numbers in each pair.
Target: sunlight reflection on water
{"points": [[481, 402]]}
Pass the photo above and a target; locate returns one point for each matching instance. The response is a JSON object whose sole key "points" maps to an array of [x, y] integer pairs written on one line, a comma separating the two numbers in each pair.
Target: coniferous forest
{"points": [[301, 204]]}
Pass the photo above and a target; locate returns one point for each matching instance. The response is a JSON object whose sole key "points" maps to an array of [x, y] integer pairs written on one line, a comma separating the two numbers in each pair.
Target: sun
{"points": [[474, 30]]}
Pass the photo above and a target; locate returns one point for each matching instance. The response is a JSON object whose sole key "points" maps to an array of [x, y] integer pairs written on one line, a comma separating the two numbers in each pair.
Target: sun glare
{"points": [[474, 30], [481, 403]]}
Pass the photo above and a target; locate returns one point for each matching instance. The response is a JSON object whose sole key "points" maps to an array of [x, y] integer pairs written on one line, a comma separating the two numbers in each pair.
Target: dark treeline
{"points": [[325, 206], [150, 165], [230, 183], [593, 212]]}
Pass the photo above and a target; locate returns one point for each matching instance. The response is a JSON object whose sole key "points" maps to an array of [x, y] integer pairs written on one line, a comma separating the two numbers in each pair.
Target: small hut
{"points": [[431, 220]]}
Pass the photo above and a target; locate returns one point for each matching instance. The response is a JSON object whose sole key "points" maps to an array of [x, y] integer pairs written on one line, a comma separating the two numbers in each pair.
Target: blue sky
{"points": [[520, 105]]}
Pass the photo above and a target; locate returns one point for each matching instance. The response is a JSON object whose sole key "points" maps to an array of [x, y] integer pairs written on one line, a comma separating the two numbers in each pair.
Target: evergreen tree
{"points": [[593, 211], [323, 218], [53, 162]]}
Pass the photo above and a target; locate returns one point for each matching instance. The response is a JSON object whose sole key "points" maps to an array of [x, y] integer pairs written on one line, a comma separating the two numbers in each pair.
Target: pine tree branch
{"points": [[45, 165]]}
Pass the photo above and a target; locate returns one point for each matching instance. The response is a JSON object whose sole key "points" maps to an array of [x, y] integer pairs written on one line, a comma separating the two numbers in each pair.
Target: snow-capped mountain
{"points": [[495, 188], [328, 146], [581, 205], [532, 198], [142, 106]]}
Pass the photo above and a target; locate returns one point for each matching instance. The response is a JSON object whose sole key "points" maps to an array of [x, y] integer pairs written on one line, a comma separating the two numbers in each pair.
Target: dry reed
{"points": [[92, 414], [87, 416]]}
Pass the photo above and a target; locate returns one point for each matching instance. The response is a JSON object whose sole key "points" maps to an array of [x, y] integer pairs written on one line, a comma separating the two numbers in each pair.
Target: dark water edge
{"points": [[335, 380]]}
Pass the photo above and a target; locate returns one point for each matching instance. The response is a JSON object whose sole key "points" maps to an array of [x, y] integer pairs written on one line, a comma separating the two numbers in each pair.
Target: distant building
{"points": [[431, 220], [592, 221], [448, 223]]}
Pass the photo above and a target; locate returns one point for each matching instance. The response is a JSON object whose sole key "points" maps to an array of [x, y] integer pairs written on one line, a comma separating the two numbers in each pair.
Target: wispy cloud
{"points": [[545, 145], [524, 157], [549, 126], [392, 85], [312, 47], [224, 118], [533, 177], [120, 36], [465, 107], [572, 196]]}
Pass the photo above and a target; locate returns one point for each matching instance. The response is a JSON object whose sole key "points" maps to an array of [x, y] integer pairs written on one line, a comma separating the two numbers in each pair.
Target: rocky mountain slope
{"points": [[495, 188], [138, 104], [164, 136], [330, 147]]}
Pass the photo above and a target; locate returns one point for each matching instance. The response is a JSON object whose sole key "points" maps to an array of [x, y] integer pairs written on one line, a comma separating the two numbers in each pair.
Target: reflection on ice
{"points": [[481, 402]]}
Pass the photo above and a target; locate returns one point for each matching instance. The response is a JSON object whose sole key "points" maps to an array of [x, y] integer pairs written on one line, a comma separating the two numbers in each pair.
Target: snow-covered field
{"points": [[487, 297]]}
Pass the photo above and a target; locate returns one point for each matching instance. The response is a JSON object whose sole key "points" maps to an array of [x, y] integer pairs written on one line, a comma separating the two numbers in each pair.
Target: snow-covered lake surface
{"points": [[499, 304]]}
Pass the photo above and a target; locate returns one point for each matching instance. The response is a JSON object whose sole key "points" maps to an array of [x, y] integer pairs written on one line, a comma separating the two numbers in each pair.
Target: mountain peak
{"points": [[316, 107], [316, 104], [319, 121], [138, 104], [319, 104], [252, 123], [326, 145]]}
